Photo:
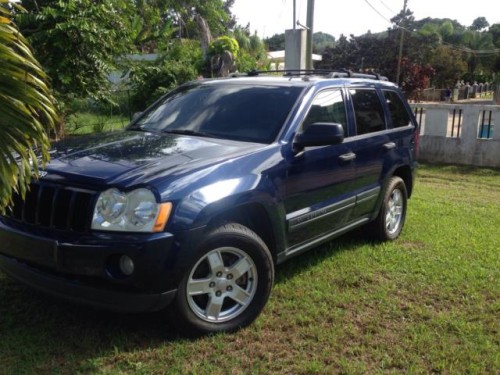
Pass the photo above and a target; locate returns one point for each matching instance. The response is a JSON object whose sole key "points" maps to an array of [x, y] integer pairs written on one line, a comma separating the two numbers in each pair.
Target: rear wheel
{"points": [[228, 283], [391, 218]]}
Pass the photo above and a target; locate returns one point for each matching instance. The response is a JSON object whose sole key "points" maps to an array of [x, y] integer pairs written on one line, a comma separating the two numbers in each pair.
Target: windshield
{"points": [[233, 111]]}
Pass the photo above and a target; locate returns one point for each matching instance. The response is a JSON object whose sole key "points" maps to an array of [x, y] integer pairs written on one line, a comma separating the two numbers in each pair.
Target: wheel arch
{"points": [[255, 217], [405, 173]]}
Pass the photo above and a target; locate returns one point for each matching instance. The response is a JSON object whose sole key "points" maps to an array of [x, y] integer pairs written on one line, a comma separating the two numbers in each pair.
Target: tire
{"points": [[228, 283], [391, 217]]}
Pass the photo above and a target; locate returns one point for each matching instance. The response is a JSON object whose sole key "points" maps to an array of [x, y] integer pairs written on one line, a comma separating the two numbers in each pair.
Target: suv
{"points": [[202, 195]]}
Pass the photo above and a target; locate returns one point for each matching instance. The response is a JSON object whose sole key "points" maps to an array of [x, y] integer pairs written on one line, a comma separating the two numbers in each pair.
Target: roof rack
{"points": [[341, 73], [350, 74]]}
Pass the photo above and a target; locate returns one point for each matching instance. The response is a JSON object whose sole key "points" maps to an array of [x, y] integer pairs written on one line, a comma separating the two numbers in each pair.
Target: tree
{"points": [[215, 12], [252, 53], [77, 42], [479, 24], [276, 42], [448, 65], [26, 110], [494, 30], [151, 24], [322, 41], [415, 78], [341, 56], [477, 41], [180, 62]]}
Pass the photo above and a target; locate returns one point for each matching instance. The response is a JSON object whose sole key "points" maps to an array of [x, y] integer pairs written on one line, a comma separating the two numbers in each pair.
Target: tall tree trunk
{"points": [[206, 35]]}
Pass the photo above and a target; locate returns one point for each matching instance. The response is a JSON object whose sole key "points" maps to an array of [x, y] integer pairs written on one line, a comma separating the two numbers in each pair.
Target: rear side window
{"points": [[327, 106], [368, 111], [399, 114]]}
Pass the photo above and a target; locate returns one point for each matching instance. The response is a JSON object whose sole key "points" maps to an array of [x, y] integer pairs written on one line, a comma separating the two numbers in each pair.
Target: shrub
{"points": [[182, 62]]}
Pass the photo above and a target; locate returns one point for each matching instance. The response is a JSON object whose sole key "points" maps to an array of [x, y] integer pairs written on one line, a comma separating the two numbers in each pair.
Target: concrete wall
{"points": [[438, 144]]}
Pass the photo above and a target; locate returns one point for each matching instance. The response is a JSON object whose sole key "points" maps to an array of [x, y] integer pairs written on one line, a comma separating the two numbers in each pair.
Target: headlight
{"points": [[135, 211]]}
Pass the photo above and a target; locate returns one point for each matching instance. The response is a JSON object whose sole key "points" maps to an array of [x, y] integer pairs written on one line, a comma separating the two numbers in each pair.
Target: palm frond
{"points": [[27, 111]]}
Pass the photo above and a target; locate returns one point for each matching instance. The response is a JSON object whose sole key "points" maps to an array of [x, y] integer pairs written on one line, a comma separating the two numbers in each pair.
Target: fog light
{"points": [[126, 265]]}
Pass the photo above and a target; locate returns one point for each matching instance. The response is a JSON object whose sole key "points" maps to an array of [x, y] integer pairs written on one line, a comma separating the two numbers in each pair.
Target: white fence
{"points": [[459, 133]]}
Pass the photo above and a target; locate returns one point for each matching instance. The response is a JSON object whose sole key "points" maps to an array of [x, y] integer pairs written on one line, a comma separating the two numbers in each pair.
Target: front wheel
{"points": [[391, 218], [228, 283]]}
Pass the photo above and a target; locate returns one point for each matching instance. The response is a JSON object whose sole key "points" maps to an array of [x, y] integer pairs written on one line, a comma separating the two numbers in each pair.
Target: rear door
{"points": [[381, 129]]}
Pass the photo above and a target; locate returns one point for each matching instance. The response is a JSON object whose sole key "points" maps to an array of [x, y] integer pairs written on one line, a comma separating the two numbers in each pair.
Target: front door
{"points": [[319, 183]]}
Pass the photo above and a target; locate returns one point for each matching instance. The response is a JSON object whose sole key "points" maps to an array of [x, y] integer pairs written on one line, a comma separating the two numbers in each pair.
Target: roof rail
{"points": [[341, 73], [349, 74]]}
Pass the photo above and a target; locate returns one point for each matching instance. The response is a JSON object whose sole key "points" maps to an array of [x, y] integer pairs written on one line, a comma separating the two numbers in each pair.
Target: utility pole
{"points": [[309, 40], [294, 14], [400, 57]]}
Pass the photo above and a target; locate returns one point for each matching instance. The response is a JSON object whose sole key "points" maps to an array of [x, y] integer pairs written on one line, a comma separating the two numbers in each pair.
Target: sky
{"points": [[269, 17]]}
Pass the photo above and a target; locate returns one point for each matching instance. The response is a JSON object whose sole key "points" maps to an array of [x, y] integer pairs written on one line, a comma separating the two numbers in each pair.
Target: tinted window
{"points": [[327, 106], [232, 111], [368, 111], [399, 114]]}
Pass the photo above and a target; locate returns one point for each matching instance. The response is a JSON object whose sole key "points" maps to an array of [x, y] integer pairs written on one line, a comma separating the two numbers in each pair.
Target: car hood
{"points": [[128, 157]]}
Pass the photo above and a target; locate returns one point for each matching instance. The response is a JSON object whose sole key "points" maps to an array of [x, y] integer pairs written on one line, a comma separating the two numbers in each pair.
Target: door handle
{"points": [[389, 146], [347, 157]]}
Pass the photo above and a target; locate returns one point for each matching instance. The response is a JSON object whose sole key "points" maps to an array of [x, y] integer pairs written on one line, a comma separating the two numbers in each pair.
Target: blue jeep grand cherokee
{"points": [[195, 203]]}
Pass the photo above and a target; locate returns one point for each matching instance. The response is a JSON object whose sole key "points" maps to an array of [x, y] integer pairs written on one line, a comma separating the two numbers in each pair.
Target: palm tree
{"points": [[26, 110]]}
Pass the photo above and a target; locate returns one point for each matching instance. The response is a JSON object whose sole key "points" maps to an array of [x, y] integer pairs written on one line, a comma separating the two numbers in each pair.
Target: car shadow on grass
{"points": [[40, 334]]}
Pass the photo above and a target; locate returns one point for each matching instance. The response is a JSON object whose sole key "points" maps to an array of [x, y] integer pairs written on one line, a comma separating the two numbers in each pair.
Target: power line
{"points": [[387, 7], [377, 11]]}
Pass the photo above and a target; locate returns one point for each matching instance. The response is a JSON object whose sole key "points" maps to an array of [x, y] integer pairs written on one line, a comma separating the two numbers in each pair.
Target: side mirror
{"points": [[319, 134]]}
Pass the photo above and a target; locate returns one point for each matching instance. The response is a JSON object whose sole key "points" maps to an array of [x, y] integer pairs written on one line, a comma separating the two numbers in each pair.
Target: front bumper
{"points": [[74, 291], [83, 269]]}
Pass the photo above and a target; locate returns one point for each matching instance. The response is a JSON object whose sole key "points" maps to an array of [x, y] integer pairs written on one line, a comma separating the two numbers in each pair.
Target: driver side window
{"points": [[327, 106]]}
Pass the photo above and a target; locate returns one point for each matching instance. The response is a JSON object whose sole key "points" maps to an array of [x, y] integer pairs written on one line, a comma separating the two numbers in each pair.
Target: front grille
{"points": [[55, 207]]}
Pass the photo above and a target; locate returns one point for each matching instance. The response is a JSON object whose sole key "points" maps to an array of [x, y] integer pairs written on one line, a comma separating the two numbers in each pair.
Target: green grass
{"points": [[91, 123], [426, 303]]}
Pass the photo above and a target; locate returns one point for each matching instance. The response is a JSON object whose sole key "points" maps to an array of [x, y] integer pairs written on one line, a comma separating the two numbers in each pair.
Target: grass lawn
{"points": [[426, 303], [90, 123]]}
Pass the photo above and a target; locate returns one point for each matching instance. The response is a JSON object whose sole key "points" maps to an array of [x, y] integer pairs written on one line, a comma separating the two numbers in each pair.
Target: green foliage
{"points": [[446, 29], [215, 12], [495, 34], [367, 52], [90, 123], [441, 44], [275, 42], [182, 62], [77, 42], [479, 24], [151, 24], [224, 44], [321, 41], [448, 65], [475, 40], [252, 53], [247, 62], [26, 110]]}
